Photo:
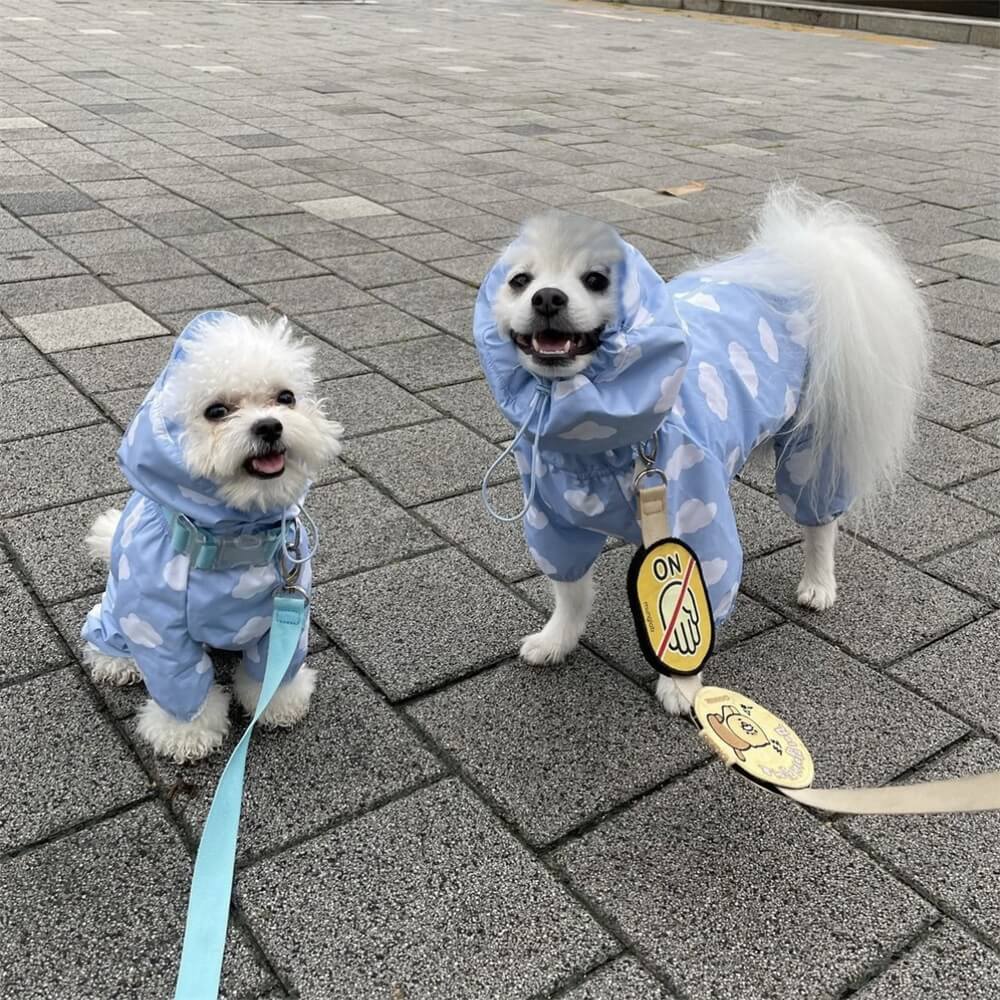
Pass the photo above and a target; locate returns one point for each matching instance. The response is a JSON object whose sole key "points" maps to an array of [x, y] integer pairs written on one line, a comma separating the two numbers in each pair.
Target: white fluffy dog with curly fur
{"points": [[220, 456]]}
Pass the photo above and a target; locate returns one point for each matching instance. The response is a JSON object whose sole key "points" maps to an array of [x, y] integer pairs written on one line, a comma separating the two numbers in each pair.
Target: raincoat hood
{"points": [[151, 455], [613, 403]]}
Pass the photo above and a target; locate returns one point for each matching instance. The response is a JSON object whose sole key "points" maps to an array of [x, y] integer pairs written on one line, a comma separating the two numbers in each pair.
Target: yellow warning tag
{"points": [[669, 600], [747, 736]]}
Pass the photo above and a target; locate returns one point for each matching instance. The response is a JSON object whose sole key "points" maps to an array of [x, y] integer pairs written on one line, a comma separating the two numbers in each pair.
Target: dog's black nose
{"points": [[548, 301], [268, 429]]}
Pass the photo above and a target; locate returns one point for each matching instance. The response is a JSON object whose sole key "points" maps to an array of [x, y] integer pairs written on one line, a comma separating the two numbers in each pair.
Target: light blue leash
{"points": [[212, 882]]}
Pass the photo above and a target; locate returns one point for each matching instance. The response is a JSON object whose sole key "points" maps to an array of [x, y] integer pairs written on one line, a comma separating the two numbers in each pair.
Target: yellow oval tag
{"points": [[747, 736], [669, 601]]}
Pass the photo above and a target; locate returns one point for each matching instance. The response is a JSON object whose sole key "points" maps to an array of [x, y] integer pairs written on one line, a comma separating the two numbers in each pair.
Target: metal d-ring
{"points": [[291, 588], [642, 473], [649, 457]]}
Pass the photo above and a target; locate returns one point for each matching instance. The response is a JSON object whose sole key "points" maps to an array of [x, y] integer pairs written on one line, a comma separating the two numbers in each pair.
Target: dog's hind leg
{"points": [[818, 587], [115, 670], [561, 634]]}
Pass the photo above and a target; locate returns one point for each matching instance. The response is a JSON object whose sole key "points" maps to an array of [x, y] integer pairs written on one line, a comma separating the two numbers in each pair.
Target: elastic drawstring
{"points": [[542, 389]]}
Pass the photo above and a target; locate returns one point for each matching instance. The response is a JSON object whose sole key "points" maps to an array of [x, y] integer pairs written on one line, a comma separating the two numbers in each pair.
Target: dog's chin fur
{"points": [[557, 249], [245, 364]]}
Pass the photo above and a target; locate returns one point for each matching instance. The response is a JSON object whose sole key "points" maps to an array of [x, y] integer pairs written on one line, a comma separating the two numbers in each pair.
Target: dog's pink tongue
{"points": [[549, 342], [269, 464]]}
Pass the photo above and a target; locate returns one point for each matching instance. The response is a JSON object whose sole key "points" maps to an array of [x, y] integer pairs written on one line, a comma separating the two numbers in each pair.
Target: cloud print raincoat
{"points": [[157, 607], [709, 370]]}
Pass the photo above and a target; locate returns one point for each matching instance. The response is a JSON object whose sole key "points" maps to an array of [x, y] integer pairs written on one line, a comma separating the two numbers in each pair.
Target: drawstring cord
{"points": [[542, 389], [294, 558]]}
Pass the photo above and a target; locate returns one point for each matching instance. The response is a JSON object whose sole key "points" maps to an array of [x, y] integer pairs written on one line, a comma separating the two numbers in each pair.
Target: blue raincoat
{"points": [[157, 607], [706, 368]]}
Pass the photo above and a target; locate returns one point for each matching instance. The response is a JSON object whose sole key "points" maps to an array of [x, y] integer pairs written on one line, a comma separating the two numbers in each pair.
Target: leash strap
{"points": [[212, 883], [651, 500]]}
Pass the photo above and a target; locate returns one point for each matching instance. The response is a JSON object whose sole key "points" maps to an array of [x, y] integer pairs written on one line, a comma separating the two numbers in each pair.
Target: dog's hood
{"points": [[151, 455], [626, 391]]}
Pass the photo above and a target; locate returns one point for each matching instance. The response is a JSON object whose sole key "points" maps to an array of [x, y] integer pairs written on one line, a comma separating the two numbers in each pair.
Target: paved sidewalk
{"points": [[449, 823]]}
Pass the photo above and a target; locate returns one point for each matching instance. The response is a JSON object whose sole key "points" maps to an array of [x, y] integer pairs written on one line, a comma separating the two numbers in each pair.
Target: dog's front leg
{"points": [[818, 587], [558, 639], [677, 694]]}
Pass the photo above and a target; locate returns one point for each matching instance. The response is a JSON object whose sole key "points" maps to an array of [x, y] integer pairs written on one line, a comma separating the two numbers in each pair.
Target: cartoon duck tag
{"points": [[747, 736], [670, 605]]}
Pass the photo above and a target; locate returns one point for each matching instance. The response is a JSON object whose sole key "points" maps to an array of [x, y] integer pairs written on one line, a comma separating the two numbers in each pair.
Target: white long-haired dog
{"points": [[814, 338], [220, 456]]}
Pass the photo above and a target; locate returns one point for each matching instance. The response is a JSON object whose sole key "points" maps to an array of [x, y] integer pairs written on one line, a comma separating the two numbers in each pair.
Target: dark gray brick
{"points": [[366, 403], [271, 265], [307, 295], [46, 202], [363, 326], [201, 292], [622, 979], [883, 609], [418, 601], [19, 360], [40, 406], [945, 458], [133, 364], [28, 643], [972, 567], [371, 270], [556, 746], [472, 403], [435, 866], [50, 780], [424, 364], [132, 902], [682, 850], [50, 294]]}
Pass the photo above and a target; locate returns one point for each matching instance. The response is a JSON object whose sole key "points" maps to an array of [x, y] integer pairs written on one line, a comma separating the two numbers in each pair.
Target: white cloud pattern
{"points": [[684, 456], [743, 367], [589, 430], [713, 389], [767, 340], [253, 629], [256, 580], [693, 515], [175, 572], [586, 503], [140, 632]]}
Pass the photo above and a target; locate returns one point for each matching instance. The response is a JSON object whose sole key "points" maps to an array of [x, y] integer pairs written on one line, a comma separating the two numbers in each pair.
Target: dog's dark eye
{"points": [[286, 397], [596, 281], [520, 281], [216, 411]]}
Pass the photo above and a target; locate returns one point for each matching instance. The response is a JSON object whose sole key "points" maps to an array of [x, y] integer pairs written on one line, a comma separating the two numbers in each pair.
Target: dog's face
{"points": [[245, 395], [560, 293]]}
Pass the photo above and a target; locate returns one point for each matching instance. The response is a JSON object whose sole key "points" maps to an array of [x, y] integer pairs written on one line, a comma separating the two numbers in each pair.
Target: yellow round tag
{"points": [[747, 736], [669, 601]]}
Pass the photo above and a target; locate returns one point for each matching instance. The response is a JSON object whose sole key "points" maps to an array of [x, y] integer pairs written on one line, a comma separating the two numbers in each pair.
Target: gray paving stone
{"points": [[87, 326], [307, 295], [40, 406], [421, 598], [27, 265], [60, 468], [371, 270], [500, 547], [947, 963], [949, 858], [28, 643], [366, 403], [50, 781], [200, 292], [222, 243], [472, 404], [50, 546], [884, 608], [431, 298], [361, 528], [424, 364], [46, 202], [330, 363], [27, 298], [427, 868], [452, 460], [93, 220], [856, 722], [964, 361], [328, 244], [190, 222], [271, 265], [556, 746], [351, 745], [957, 405], [984, 492], [127, 365], [682, 850], [433, 246], [622, 979], [363, 326], [916, 522], [957, 672], [969, 293], [153, 265], [972, 567], [19, 360], [761, 523], [973, 266], [965, 321], [124, 239], [108, 915], [945, 458]]}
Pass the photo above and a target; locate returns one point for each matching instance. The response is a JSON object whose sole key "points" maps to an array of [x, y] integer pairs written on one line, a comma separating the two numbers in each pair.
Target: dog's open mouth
{"points": [[557, 345], [268, 465]]}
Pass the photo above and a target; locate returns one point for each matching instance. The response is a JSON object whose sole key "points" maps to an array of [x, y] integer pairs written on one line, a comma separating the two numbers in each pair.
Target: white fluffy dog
{"points": [[814, 338], [220, 456]]}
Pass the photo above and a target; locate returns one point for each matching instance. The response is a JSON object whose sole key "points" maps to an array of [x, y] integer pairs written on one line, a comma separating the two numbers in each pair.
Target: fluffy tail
{"points": [[102, 531], [868, 334]]}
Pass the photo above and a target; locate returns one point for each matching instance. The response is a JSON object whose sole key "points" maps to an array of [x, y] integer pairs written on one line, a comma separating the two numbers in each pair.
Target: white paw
{"points": [[551, 645], [677, 694], [289, 704], [815, 594], [186, 741], [104, 669]]}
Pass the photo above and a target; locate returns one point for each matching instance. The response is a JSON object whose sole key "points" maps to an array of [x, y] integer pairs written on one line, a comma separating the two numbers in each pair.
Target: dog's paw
{"points": [[677, 694], [547, 647], [115, 670], [818, 595], [182, 741], [289, 704]]}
